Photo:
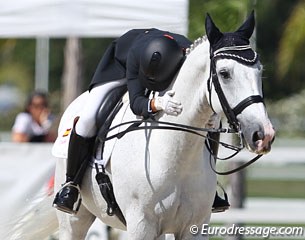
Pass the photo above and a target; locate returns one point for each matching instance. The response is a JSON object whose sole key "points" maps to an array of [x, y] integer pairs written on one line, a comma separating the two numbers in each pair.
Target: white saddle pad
{"points": [[60, 147]]}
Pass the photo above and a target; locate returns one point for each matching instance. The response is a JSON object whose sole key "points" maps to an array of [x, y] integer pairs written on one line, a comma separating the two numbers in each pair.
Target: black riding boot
{"points": [[79, 153], [219, 204]]}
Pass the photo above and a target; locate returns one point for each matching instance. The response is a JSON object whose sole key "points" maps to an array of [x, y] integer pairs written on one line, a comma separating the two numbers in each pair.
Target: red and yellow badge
{"points": [[67, 132]]}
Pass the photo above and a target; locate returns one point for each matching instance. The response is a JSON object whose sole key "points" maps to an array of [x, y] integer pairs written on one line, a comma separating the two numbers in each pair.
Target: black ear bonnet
{"points": [[233, 45]]}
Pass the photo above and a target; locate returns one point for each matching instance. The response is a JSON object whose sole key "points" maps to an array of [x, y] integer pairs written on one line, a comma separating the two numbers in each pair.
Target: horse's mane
{"points": [[196, 43]]}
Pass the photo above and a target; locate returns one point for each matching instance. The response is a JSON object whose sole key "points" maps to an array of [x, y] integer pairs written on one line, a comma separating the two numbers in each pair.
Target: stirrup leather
{"points": [[68, 198]]}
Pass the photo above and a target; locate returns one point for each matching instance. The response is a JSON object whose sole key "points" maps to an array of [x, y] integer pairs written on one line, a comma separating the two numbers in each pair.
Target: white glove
{"points": [[167, 104]]}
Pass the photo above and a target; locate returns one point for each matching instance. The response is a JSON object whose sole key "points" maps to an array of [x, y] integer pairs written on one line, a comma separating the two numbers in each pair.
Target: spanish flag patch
{"points": [[67, 132]]}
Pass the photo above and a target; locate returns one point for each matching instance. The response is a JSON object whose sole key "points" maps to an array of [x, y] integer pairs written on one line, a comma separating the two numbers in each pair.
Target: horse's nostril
{"points": [[258, 136]]}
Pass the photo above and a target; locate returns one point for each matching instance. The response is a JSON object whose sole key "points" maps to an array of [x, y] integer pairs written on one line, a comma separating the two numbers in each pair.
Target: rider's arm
{"points": [[139, 103]]}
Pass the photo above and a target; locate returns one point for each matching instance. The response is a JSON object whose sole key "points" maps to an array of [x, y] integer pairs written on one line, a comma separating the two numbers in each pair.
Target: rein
{"points": [[207, 143], [135, 126]]}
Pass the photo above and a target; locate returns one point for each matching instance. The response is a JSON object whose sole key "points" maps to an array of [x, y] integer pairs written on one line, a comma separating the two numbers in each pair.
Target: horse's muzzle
{"points": [[263, 139]]}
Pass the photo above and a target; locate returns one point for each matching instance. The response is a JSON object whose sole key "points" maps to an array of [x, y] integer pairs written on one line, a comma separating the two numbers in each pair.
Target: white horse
{"points": [[162, 179]]}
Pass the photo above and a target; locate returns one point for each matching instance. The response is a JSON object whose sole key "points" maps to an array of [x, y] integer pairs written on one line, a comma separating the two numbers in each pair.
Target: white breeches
{"points": [[86, 125]]}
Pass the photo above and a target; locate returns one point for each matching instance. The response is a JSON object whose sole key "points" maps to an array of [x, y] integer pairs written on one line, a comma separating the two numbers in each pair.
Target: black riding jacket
{"points": [[122, 60]]}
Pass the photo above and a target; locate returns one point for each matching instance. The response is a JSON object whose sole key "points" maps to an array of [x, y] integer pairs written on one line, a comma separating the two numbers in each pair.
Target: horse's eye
{"points": [[224, 74]]}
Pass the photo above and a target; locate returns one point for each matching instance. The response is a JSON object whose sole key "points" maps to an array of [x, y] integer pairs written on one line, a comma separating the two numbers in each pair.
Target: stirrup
{"points": [[68, 198], [220, 209], [224, 205]]}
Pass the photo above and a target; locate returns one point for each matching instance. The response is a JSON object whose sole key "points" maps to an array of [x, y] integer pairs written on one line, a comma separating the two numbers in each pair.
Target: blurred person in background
{"points": [[35, 122]]}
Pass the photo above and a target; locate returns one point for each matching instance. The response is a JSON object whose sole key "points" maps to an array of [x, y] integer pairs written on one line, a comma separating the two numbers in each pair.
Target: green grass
{"points": [[275, 188]]}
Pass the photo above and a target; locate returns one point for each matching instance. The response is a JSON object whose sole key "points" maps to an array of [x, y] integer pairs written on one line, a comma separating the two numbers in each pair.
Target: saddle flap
{"points": [[60, 146]]}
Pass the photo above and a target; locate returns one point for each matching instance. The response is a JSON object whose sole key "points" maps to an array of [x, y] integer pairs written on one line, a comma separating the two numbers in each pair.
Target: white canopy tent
{"points": [[89, 18], [44, 19]]}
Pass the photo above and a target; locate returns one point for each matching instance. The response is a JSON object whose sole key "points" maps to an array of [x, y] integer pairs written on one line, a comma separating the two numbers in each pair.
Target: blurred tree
{"points": [[271, 18], [16, 75], [228, 15], [80, 58], [289, 73], [13, 71], [290, 56], [56, 63], [73, 71], [270, 22], [93, 50]]}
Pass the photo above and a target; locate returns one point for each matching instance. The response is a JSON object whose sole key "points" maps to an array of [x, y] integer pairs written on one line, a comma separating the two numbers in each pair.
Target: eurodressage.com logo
{"points": [[249, 231]]}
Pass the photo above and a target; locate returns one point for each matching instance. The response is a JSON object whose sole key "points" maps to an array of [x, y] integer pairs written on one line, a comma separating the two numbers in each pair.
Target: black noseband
{"points": [[230, 113], [247, 102]]}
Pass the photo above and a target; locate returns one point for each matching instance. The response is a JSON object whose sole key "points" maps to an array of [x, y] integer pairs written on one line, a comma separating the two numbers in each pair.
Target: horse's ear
{"points": [[248, 26], [212, 31]]}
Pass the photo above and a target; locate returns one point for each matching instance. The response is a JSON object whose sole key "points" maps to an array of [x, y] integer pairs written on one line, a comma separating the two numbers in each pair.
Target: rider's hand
{"points": [[44, 120], [167, 104]]}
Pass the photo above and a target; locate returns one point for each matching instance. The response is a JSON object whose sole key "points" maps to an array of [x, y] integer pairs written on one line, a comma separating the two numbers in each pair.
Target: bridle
{"points": [[230, 113]]}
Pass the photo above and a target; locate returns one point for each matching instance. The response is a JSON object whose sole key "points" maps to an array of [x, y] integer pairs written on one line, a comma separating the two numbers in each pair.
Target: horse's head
{"points": [[236, 78]]}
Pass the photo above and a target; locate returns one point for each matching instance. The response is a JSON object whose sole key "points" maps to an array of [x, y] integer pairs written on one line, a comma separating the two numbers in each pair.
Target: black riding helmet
{"points": [[159, 62]]}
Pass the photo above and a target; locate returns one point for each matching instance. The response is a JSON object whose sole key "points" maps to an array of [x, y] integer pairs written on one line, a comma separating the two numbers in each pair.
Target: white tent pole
{"points": [[42, 64]]}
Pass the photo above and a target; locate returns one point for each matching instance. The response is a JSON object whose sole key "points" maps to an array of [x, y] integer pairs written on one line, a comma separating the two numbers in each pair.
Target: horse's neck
{"points": [[191, 86]]}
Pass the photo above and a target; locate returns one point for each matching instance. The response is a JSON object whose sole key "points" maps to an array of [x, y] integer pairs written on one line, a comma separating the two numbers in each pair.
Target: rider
{"points": [[149, 60]]}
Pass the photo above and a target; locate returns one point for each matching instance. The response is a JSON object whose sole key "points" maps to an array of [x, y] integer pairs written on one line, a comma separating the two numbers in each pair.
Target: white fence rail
{"points": [[265, 210], [278, 155]]}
